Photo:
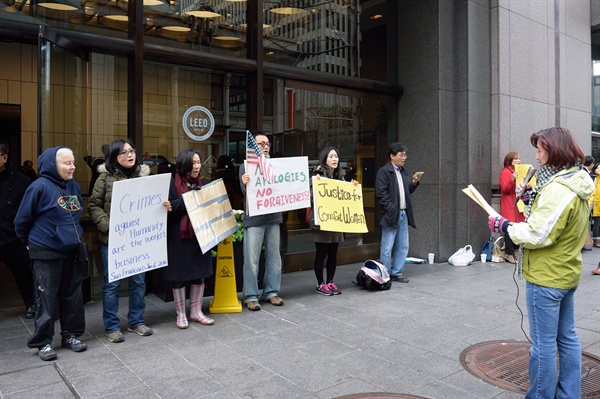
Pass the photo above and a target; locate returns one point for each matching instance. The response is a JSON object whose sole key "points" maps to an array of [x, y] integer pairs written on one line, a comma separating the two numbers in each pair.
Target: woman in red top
{"points": [[508, 208]]}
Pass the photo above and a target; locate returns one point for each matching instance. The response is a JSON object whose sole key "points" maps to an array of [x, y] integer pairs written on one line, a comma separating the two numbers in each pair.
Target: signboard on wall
{"points": [[198, 123]]}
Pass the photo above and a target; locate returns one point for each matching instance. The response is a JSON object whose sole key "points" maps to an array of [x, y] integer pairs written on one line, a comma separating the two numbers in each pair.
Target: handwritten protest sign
{"points": [[211, 214], [290, 189], [137, 239], [522, 170], [339, 206]]}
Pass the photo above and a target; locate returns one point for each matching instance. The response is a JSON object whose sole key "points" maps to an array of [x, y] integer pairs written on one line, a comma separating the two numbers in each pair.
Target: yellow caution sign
{"points": [[225, 299]]}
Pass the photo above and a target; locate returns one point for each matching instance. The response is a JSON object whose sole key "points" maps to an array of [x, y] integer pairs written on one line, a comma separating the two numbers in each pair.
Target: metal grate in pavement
{"points": [[380, 395], [505, 365]]}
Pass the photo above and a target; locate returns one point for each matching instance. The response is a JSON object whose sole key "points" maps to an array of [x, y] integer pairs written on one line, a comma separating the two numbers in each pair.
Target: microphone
{"points": [[528, 177]]}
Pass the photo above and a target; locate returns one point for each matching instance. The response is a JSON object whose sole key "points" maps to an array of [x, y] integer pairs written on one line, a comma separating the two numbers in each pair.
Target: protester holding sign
{"points": [[48, 223], [327, 242], [121, 164], [187, 264], [258, 231]]}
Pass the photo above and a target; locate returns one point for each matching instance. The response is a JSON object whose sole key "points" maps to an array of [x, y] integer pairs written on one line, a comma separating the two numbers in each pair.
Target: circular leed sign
{"points": [[198, 123]]}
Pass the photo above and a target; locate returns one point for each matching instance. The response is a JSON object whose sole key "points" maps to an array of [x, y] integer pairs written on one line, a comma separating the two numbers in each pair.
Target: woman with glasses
{"points": [[552, 237], [508, 208], [120, 164]]}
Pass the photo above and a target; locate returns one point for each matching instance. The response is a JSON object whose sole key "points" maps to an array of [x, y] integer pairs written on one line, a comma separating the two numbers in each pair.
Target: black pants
{"points": [[16, 258], [58, 284], [328, 251], [509, 245]]}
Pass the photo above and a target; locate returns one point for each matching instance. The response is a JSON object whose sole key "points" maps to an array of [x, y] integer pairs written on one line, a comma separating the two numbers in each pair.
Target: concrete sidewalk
{"points": [[407, 341]]}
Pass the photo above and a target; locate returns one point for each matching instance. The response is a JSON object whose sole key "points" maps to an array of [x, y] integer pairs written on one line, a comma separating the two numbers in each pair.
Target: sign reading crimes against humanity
{"points": [[339, 206], [290, 189], [137, 239], [211, 215]]}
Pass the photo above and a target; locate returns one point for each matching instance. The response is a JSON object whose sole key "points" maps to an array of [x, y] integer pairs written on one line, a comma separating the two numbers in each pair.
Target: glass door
{"points": [[63, 115]]}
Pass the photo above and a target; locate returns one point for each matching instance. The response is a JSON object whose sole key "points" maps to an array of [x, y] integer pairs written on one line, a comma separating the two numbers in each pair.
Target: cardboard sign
{"points": [[137, 239], [290, 189], [338, 206], [211, 215], [522, 170]]}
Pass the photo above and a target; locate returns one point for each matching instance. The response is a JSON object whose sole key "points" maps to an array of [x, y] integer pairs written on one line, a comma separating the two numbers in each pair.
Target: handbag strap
{"points": [[72, 220]]}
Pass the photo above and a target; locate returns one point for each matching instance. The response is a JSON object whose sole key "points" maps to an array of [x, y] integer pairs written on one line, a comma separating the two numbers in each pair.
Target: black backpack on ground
{"points": [[373, 276]]}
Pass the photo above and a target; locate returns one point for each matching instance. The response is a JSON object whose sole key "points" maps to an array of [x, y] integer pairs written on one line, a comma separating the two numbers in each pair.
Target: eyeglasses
{"points": [[264, 144], [130, 152], [401, 155]]}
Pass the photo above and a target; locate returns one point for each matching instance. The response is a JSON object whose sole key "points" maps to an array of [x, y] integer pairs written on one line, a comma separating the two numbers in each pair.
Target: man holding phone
{"points": [[393, 189]]}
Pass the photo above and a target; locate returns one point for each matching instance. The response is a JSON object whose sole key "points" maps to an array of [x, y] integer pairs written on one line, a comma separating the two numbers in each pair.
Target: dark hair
{"points": [[323, 161], [559, 143], [395, 148], [113, 151], [589, 160], [4, 148], [184, 161], [510, 157]]}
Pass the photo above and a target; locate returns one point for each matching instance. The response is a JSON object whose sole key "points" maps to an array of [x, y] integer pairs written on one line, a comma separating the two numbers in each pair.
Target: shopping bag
{"points": [[498, 250], [487, 248], [462, 257]]}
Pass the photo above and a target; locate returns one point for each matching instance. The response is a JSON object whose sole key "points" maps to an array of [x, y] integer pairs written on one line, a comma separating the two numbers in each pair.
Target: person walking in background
{"points": [[93, 163], [327, 242], [588, 165], [393, 189], [187, 264], [508, 196], [48, 223], [258, 231], [12, 251], [28, 170], [120, 164], [552, 237], [594, 203]]}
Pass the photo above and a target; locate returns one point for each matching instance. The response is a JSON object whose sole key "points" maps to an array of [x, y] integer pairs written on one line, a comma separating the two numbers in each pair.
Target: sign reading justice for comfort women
{"points": [[338, 206], [137, 239], [210, 213], [290, 189]]}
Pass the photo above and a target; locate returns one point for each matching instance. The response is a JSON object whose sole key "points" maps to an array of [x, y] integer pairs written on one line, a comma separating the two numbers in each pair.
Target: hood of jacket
{"points": [[47, 166], [141, 171], [577, 180]]}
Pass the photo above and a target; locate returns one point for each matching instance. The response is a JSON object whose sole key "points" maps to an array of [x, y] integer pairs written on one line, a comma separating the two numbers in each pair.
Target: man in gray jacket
{"points": [[259, 230]]}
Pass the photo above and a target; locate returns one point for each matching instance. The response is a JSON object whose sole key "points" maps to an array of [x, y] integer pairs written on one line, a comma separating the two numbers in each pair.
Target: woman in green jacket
{"points": [[121, 164], [552, 237]]}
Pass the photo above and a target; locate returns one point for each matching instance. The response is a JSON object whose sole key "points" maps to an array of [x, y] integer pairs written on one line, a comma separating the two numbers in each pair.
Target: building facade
{"points": [[460, 82]]}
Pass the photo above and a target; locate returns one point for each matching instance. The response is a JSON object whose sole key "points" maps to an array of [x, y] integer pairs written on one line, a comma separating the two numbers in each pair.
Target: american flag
{"points": [[254, 156]]}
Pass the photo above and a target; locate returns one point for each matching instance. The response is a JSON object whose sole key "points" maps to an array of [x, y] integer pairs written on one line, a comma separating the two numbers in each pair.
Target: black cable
{"points": [[515, 272]]}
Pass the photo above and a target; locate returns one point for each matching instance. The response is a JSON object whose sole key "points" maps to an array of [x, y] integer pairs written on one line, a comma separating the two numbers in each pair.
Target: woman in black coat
{"points": [[187, 264]]}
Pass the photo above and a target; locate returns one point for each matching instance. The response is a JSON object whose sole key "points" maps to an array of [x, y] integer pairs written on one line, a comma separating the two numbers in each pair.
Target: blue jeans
{"points": [[110, 299], [551, 325], [394, 242], [254, 237]]}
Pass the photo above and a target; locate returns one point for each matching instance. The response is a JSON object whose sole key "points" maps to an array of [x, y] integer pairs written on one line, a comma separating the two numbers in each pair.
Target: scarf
{"points": [[127, 171], [543, 177], [183, 185]]}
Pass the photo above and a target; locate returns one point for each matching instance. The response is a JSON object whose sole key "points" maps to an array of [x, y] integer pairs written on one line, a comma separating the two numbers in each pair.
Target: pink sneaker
{"points": [[334, 289], [323, 289]]}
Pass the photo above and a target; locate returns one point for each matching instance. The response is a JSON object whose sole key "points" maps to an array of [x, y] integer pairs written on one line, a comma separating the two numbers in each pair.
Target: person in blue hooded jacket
{"points": [[48, 223]]}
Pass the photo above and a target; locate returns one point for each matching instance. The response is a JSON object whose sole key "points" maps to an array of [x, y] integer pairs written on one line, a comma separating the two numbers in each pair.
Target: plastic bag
{"points": [[498, 250], [462, 257]]}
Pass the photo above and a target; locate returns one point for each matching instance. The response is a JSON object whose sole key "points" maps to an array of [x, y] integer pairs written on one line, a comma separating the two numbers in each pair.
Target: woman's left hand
{"points": [[167, 205], [354, 182]]}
